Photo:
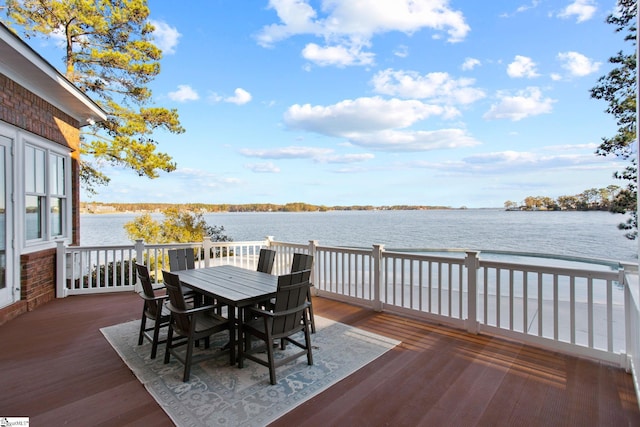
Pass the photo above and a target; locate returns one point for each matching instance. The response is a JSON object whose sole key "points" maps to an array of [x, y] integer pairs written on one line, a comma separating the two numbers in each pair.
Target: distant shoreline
{"points": [[141, 208]]}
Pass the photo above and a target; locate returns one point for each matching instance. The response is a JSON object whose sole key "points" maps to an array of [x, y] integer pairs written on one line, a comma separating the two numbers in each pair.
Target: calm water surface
{"points": [[580, 234]]}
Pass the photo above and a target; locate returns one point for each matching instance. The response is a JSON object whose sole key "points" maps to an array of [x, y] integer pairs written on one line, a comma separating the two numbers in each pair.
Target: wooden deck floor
{"points": [[57, 369]]}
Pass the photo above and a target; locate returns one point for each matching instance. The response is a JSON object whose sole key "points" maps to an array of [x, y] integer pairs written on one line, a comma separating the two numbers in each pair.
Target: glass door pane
{"points": [[6, 253], [3, 218]]}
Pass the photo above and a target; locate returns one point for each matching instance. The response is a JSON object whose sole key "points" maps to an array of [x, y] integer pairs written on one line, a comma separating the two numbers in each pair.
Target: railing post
{"points": [[312, 252], [630, 325], [61, 270], [139, 248], [472, 262], [377, 276], [207, 244]]}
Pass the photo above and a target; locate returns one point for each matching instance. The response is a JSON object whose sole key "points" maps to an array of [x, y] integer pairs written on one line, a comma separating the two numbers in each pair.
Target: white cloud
{"points": [[397, 141], [526, 7], [437, 87], [165, 37], [582, 9], [340, 56], [401, 51], [240, 97], [320, 155], [470, 64], [183, 94], [525, 103], [379, 124], [522, 66], [351, 25], [515, 160], [361, 115], [511, 161], [197, 178], [347, 158], [292, 152], [577, 64], [262, 167]]}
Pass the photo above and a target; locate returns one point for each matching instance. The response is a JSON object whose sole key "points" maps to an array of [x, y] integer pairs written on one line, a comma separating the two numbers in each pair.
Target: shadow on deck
{"points": [[58, 369]]}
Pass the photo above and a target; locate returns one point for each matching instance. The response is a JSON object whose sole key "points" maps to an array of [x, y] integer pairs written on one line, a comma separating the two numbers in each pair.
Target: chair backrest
{"points": [[181, 259], [147, 288], [181, 322], [301, 262], [291, 297], [266, 260]]}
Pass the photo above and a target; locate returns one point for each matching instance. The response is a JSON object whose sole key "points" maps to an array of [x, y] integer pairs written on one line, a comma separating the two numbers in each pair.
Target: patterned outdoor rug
{"points": [[223, 395]]}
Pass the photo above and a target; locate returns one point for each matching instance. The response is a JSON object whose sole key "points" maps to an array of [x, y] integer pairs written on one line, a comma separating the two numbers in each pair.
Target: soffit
{"points": [[20, 63]]}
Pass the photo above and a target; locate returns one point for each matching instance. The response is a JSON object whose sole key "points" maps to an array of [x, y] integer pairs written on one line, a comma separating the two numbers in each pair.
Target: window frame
{"points": [[52, 151]]}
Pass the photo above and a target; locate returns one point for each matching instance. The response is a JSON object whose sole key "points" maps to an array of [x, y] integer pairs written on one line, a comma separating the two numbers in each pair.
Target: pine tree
{"points": [[109, 54], [619, 88]]}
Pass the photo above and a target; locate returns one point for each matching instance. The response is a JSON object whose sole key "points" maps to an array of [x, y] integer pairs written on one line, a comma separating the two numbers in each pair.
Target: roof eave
{"points": [[22, 64]]}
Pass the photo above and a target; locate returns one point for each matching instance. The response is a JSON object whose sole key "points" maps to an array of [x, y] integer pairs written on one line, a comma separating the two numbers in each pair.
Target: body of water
{"points": [[578, 234]]}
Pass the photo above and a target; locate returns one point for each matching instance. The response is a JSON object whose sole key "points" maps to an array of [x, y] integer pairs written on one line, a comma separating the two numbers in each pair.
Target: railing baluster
{"points": [[590, 310], [572, 308], [540, 300], [486, 295], [439, 282], [525, 305], [610, 316], [430, 287], [556, 302], [498, 304], [511, 299], [420, 287], [402, 278], [450, 290]]}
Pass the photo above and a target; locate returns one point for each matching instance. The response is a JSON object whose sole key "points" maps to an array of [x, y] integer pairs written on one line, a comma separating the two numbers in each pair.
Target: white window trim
{"points": [[23, 139]]}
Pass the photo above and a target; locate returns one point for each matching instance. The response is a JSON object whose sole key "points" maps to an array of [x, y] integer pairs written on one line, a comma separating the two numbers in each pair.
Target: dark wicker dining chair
{"points": [[289, 316], [154, 310], [189, 325], [303, 262], [266, 260], [181, 259]]}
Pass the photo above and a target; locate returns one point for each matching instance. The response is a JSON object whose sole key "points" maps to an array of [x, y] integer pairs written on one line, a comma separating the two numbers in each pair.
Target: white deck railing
{"points": [[589, 310]]}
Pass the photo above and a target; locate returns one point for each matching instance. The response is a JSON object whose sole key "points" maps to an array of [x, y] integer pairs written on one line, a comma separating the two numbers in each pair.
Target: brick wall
{"points": [[38, 283], [25, 110], [38, 278]]}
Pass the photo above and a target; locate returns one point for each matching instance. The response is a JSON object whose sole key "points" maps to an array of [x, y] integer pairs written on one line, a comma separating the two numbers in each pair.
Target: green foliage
{"points": [[619, 88], [106, 273], [179, 226], [589, 200], [110, 56]]}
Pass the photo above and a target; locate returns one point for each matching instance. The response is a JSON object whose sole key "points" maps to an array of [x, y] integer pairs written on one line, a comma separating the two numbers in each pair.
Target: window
{"points": [[45, 194], [56, 209]]}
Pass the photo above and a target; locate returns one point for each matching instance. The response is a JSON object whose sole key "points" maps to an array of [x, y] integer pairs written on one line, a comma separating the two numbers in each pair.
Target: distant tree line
{"points": [[100, 207], [594, 199]]}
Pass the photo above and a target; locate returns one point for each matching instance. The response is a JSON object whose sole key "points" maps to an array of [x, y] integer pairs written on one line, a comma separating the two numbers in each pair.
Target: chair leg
{"points": [[310, 310], [143, 324], [272, 363], [156, 336], [307, 341], [187, 361], [167, 353]]}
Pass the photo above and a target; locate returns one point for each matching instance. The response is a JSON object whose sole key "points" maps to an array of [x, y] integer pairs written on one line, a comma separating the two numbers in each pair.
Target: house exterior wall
{"points": [[24, 109]]}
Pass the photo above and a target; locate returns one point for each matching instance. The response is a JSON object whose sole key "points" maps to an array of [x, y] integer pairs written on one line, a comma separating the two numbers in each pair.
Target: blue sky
{"points": [[381, 102]]}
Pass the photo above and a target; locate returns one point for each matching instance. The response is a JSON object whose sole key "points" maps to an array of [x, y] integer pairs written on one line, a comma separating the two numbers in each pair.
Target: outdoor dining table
{"points": [[232, 286]]}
